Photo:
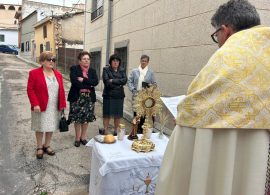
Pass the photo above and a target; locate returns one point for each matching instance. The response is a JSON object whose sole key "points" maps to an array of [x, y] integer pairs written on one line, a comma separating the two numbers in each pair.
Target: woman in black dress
{"points": [[114, 78], [82, 96]]}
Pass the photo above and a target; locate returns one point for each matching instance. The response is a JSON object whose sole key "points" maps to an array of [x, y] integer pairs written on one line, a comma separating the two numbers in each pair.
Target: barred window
{"points": [[96, 61], [122, 52], [97, 9]]}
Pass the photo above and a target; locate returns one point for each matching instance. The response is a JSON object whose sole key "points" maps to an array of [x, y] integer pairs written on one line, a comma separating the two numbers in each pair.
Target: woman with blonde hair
{"points": [[46, 93]]}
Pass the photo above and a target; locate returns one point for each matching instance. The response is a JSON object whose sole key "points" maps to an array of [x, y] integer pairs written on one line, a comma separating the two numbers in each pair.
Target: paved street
{"points": [[20, 172]]}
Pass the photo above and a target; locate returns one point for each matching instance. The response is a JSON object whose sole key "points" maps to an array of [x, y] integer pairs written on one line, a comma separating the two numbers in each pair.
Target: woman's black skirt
{"points": [[113, 108], [82, 111]]}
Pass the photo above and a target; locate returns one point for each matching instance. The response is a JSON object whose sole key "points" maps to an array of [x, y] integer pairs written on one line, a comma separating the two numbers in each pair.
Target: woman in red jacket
{"points": [[47, 97]]}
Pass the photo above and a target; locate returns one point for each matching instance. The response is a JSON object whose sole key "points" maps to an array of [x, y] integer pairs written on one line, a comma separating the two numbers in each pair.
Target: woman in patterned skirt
{"points": [[47, 97], [82, 97]]}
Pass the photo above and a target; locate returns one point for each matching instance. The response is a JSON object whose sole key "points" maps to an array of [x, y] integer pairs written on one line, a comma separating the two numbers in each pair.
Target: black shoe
{"points": [[77, 143], [101, 131], [115, 133], [83, 141]]}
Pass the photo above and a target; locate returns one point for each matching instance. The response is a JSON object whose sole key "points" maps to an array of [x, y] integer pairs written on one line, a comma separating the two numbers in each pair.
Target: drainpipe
{"points": [[109, 28], [85, 18]]}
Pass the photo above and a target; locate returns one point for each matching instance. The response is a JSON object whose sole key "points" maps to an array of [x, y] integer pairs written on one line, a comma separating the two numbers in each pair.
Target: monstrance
{"points": [[147, 103]]}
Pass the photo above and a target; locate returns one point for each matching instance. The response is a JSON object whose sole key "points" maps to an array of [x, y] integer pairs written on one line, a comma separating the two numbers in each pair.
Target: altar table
{"points": [[118, 170]]}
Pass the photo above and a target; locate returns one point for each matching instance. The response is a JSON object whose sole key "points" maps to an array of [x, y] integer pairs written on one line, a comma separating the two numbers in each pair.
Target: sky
{"points": [[55, 2]]}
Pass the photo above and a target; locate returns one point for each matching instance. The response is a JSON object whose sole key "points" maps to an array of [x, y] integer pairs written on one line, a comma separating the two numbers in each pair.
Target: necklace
{"points": [[50, 78]]}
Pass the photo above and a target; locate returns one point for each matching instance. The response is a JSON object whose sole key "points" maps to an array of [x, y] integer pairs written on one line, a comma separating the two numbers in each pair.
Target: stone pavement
{"points": [[69, 171], [66, 173]]}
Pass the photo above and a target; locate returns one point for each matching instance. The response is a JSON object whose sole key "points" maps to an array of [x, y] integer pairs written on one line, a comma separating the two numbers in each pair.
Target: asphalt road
{"points": [[21, 173]]}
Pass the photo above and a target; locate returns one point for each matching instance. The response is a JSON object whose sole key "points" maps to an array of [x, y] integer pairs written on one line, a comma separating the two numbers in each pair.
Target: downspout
{"points": [[109, 28], [85, 18]]}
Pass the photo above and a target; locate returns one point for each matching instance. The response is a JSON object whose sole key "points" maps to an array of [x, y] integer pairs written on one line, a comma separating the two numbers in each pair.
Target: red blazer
{"points": [[37, 90]]}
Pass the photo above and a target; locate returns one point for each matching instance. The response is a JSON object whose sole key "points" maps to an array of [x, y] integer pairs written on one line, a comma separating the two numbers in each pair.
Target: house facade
{"points": [[44, 37], [9, 36], [69, 33], [62, 35], [9, 24], [174, 33], [28, 44], [27, 32]]}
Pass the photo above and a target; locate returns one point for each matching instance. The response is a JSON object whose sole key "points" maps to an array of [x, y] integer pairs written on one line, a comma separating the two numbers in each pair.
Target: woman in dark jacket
{"points": [[82, 96], [114, 79]]}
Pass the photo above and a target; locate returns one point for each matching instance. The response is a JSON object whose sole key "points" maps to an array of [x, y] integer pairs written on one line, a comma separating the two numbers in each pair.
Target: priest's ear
{"points": [[228, 30], [225, 32]]}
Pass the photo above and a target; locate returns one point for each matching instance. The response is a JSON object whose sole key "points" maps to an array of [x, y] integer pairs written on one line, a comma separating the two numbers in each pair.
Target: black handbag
{"points": [[63, 124]]}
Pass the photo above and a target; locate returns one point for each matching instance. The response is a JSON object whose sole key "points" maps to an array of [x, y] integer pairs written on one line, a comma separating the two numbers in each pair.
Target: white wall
{"points": [[44, 9], [11, 37], [74, 46]]}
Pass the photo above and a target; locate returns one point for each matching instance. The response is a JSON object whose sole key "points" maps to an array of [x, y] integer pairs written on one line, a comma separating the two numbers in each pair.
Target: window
{"points": [[22, 47], [122, 52], [48, 48], [3, 46], [96, 61], [2, 38], [41, 48], [97, 9], [11, 7], [15, 21], [44, 31], [27, 46]]}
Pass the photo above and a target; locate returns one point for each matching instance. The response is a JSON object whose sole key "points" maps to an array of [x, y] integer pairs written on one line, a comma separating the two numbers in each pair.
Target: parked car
{"points": [[15, 47], [8, 49]]}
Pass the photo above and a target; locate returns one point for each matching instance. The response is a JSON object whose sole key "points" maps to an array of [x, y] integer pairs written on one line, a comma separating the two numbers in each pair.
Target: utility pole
{"points": [[109, 26]]}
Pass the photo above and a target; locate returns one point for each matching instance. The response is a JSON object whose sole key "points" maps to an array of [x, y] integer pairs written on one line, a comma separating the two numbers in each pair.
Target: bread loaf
{"points": [[109, 139]]}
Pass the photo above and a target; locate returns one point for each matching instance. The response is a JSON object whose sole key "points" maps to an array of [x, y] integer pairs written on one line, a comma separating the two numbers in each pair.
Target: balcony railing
{"points": [[98, 12]]}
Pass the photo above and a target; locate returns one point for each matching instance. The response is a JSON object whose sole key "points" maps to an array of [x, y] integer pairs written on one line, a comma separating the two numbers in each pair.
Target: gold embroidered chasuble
{"points": [[233, 89]]}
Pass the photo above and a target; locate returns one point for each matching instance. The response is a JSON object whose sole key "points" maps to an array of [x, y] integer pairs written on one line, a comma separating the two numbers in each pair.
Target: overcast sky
{"points": [[55, 2]]}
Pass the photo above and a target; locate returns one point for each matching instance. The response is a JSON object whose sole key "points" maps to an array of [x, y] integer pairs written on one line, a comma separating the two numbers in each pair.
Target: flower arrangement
{"points": [[163, 119]]}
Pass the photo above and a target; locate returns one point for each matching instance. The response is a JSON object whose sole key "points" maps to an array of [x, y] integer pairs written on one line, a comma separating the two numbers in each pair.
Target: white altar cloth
{"points": [[118, 170]]}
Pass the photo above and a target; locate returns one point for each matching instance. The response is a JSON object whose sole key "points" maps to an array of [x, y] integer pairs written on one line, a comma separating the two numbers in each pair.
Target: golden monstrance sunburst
{"points": [[147, 103]]}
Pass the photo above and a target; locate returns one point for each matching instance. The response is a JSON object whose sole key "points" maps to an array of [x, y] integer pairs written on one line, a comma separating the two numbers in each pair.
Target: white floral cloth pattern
{"points": [[48, 121]]}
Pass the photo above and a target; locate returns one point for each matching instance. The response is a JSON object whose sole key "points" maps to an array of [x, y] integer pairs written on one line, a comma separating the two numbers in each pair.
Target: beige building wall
{"points": [[7, 19], [174, 33], [96, 33], [73, 27]]}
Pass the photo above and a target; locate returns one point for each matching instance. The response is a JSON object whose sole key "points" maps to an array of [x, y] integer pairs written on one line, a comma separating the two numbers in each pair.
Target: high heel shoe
{"points": [[77, 143], [39, 156], [83, 141], [49, 152]]}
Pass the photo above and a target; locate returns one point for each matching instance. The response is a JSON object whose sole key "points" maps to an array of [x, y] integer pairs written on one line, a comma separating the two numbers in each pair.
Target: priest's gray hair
{"points": [[239, 14]]}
